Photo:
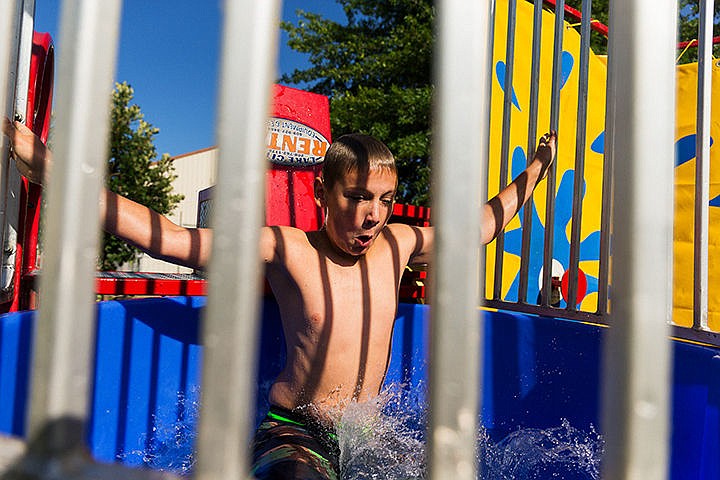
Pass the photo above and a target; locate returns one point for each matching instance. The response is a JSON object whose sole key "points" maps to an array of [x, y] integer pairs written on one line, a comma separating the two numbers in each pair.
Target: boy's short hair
{"points": [[356, 152]]}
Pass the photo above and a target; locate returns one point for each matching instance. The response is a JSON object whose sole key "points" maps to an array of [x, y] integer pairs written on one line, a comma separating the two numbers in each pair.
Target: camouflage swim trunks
{"points": [[288, 445]]}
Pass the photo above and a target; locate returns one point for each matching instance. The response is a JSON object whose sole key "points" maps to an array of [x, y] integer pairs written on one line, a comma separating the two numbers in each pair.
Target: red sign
{"points": [[297, 138]]}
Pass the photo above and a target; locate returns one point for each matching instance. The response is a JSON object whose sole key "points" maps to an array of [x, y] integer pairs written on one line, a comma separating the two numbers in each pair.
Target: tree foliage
{"points": [[134, 171], [376, 70]]}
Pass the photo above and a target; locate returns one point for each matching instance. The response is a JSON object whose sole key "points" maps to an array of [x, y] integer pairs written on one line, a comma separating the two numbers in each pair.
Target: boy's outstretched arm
{"points": [[500, 209], [128, 220], [153, 233]]}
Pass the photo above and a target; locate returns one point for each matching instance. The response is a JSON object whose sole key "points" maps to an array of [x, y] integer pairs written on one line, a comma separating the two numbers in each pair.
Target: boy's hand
{"points": [[31, 156], [545, 152]]}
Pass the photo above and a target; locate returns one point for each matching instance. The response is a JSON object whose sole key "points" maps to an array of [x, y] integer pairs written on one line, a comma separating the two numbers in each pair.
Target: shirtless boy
{"points": [[337, 287]]}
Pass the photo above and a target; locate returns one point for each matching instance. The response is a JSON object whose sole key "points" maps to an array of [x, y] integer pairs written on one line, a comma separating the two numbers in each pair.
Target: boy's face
{"points": [[357, 208]]}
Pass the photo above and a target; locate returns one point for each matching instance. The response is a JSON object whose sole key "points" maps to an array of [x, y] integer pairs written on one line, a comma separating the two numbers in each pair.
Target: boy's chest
{"points": [[357, 292]]}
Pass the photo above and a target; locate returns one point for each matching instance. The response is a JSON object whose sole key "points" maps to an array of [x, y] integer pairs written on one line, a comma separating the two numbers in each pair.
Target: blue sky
{"points": [[169, 53]]}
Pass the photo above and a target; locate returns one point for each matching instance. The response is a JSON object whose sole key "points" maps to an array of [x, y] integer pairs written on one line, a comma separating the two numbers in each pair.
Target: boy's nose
{"points": [[372, 216]]}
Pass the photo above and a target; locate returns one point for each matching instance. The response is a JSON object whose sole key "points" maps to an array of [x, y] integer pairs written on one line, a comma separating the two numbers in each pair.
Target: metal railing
{"points": [[497, 296], [639, 130]]}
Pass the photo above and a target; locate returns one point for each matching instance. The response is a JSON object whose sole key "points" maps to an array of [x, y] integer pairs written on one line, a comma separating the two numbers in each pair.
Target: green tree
{"points": [[598, 42], [688, 28], [376, 69], [134, 171]]}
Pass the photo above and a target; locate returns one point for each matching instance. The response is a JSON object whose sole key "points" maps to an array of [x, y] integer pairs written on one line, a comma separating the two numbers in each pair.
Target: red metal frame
{"points": [[596, 25], [126, 283], [39, 109]]}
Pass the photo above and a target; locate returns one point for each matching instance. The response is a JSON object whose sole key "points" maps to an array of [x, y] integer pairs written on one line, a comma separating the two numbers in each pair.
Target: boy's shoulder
{"points": [[403, 230], [287, 234], [413, 241]]}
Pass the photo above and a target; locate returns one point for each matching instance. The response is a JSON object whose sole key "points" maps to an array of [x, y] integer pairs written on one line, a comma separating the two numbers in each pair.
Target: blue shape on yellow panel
{"points": [[685, 149], [598, 145], [500, 75], [566, 66], [589, 248]]}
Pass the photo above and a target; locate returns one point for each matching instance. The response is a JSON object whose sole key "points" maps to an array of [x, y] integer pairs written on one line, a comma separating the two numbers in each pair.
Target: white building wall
{"points": [[195, 171]]}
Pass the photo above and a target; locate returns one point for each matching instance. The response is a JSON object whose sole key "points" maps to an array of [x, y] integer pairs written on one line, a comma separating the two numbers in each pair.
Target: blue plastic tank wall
{"points": [[537, 372]]}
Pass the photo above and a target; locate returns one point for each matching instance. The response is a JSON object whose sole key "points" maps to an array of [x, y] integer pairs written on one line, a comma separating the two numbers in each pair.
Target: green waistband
{"points": [[273, 414]]}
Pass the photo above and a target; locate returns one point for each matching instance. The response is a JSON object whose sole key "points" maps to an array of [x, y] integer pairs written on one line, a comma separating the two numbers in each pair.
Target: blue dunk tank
{"points": [[541, 375]]}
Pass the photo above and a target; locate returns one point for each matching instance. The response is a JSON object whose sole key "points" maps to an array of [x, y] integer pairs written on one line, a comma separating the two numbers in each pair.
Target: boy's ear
{"points": [[319, 190]]}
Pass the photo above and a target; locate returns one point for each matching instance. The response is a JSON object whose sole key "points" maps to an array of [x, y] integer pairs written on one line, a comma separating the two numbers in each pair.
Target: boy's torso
{"points": [[338, 315]]}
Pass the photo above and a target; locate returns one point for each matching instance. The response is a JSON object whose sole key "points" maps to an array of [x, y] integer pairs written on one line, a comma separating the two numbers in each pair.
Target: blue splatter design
{"points": [[567, 63], [500, 74], [685, 151], [598, 145], [589, 248]]}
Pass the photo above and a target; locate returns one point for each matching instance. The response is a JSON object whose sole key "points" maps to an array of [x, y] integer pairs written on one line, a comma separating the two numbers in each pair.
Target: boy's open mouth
{"points": [[364, 240]]}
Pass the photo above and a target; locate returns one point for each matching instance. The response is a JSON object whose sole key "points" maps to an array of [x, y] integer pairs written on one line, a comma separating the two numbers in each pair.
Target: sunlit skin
{"points": [[337, 291], [337, 288], [361, 207]]}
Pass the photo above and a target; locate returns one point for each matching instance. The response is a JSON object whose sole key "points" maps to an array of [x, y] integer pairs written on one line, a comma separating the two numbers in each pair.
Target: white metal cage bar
{"points": [[230, 329], [462, 103], [19, 23], [702, 166], [641, 99], [13, 180], [64, 331]]}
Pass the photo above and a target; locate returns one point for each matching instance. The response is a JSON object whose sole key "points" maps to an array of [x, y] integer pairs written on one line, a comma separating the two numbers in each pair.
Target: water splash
{"points": [[384, 439], [560, 452], [170, 446]]}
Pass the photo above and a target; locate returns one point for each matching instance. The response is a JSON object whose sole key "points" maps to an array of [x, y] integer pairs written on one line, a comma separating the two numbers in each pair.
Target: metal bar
{"points": [[461, 112], [606, 207], [482, 274], [637, 351], [7, 49], [544, 311], [580, 142], [605, 227], [64, 332], [505, 145], [13, 181], [11, 62], [550, 182], [532, 134], [230, 329], [708, 337], [702, 166], [27, 21]]}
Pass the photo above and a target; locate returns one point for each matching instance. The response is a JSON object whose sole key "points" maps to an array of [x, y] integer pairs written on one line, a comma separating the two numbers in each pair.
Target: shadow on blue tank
{"points": [[540, 375]]}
